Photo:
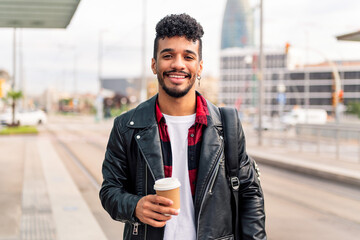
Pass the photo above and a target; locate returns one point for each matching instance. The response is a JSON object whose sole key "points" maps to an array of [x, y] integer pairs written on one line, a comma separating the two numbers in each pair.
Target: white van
{"points": [[305, 116]]}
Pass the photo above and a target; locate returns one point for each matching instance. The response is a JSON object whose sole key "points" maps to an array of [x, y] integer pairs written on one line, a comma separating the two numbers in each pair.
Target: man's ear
{"points": [[200, 68], [153, 65]]}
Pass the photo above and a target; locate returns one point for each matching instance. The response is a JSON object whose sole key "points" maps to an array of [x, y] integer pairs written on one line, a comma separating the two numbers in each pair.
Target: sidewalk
{"points": [[40, 200], [318, 165]]}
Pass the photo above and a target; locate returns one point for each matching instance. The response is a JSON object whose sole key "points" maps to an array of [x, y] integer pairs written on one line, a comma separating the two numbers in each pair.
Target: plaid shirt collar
{"points": [[201, 111]]}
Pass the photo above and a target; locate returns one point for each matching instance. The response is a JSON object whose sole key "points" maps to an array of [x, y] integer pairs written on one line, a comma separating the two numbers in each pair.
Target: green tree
{"points": [[354, 108], [14, 96]]}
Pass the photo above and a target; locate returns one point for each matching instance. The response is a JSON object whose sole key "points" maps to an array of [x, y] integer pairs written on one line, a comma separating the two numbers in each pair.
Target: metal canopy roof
{"points": [[37, 13], [354, 36]]}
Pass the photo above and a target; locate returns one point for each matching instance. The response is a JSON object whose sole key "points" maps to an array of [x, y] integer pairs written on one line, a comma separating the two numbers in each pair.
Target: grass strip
{"points": [[19, 130]]}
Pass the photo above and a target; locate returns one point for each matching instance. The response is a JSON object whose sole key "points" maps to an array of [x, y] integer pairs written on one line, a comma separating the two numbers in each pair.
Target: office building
{"points": [[237, 26], [285, 85]]}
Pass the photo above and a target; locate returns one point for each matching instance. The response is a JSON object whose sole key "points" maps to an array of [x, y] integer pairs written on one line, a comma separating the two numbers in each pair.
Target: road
{"points": [[300, 207], [297, 206]]}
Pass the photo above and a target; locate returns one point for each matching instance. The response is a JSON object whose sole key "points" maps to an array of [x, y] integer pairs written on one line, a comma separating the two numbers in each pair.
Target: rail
{"points": [[340, 141]]}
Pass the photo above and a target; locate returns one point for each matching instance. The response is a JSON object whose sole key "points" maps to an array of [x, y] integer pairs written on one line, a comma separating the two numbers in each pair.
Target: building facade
{"points": [[284, 86], [238, 25]]}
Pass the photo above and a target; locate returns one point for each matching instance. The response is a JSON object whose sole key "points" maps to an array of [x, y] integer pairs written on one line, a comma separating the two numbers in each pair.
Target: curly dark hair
{"points": [[178, 25]]}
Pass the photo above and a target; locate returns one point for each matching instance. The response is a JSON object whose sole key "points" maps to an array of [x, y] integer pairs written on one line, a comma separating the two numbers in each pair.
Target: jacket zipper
{"points": [[215, 174], [136, 228], [146, 183], [136, 224], [208, 185]]}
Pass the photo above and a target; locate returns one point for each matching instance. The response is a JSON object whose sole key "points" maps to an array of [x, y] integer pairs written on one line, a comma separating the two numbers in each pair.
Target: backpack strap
{"points": [[230, 122]]}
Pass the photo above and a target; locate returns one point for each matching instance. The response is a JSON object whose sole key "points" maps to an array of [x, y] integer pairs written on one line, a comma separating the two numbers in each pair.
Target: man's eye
{"points": [[189, 57], [167, 56]]}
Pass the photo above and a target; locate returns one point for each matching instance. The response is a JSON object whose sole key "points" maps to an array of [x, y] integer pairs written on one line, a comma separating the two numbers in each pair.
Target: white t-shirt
{"points": [[182, 226]]}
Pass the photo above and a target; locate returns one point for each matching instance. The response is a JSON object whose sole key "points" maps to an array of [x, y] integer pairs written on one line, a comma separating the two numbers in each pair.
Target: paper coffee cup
{"points": [[169, 188]]}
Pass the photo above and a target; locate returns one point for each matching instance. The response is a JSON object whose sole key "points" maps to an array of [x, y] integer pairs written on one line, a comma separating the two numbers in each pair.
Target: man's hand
{"points": [[151, 209]]}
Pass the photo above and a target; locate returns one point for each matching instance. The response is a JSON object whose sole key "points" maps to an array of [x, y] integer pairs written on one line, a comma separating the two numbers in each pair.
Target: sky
{"points": [[67, 59]]}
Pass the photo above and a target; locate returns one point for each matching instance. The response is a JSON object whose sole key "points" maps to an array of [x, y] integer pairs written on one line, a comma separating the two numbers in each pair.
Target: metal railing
{"points": [[340, 141], [341, 136]]}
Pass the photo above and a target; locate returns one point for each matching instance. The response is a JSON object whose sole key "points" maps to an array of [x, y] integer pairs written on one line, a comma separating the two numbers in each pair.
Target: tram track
{"points": [[86, 175], [80, 162]]}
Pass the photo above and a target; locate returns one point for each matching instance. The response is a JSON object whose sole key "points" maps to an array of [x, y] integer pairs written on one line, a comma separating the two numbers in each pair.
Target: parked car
{"points": [[24, 117], [268, 123], [305, 116]]}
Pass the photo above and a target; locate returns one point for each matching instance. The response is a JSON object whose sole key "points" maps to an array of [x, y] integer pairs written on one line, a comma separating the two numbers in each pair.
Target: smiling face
{"points": [[177, 66]]}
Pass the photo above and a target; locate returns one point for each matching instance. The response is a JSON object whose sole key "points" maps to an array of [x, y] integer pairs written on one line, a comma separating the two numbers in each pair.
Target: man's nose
{"points": [[178, 63]]}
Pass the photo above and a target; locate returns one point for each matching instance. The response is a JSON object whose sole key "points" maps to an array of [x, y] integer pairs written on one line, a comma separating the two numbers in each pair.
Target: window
{"points": [[275, 76], [321, 75], [320, 101], [325, 88], [295, 89], [352, 88], [352, 75], [297, 76]]}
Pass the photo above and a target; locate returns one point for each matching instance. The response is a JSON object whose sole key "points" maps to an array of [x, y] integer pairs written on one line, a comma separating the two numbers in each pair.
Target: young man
{"points": [[177, 133]]}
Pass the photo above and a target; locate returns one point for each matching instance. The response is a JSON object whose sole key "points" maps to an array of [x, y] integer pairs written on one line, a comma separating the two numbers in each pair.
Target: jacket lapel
{"points": [[149, 144], [147, 137]]}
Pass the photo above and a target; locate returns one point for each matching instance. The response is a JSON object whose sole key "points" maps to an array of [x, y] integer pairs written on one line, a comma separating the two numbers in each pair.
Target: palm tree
{"points": [[14, 95]]}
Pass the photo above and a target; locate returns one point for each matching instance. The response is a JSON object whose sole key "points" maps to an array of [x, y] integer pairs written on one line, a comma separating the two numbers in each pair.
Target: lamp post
{"points": [[14, 61], [75, 73], [99, 99], [100, 58], [143, 87], [22, 80], [261, 76]]}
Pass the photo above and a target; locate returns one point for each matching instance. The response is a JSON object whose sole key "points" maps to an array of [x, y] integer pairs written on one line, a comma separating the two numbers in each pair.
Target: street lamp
{"points": [[14, 61], [143, 87], [99, 98], [261, 76]]}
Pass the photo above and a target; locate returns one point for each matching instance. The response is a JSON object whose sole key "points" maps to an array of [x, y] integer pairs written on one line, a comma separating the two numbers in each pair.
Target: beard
{"points": [[174, 91]]}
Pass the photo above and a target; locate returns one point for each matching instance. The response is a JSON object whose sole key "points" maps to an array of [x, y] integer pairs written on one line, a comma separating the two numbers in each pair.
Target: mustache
{"points": [[174, 71]]}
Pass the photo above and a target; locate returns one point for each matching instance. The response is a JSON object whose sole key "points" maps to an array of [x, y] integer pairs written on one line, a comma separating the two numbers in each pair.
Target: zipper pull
{"points": [[136, 228], [222, 161]]}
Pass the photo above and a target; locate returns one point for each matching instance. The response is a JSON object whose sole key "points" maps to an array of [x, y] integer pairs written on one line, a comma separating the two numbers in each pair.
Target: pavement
{"points": [[40, 200]]}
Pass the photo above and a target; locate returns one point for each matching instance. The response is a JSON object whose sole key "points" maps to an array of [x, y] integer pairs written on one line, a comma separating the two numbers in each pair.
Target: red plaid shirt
{"points": [[194, 140]]}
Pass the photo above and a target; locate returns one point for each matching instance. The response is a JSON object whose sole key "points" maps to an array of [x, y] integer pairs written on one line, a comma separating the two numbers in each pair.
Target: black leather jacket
{"points": [[133, 161]]}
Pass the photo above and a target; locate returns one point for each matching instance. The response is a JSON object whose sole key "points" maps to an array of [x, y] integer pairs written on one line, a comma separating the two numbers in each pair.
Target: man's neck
{"points": [[183, 106]]}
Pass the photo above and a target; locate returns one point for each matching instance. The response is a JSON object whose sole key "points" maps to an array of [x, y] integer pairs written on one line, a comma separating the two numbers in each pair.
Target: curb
{"points": [[312, 169]]}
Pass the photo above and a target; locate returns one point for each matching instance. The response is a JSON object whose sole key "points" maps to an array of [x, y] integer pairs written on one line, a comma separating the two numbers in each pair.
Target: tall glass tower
{"points": [[237, 27]]}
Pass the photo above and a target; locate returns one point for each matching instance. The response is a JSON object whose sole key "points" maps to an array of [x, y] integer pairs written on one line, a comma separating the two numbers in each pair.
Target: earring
{"points": [[199, 78]]}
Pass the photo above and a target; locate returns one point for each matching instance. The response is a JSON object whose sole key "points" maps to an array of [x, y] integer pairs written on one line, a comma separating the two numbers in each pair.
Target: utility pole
{"points": [[143, 87], [75, 73], [261, 76], [22, 82], [100, 58], [99, 98], [14, 61]]}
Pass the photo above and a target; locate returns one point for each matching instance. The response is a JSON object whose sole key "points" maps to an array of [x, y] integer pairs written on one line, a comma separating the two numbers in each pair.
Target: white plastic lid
{"points": [[166, 184]]}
